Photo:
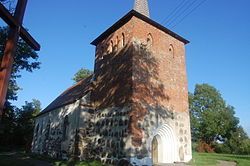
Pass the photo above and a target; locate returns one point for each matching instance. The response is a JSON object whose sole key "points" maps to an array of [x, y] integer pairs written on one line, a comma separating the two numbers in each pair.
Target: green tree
{"points": [[211, 119], [25, 120], [25, 59], [81, 74], [238, 142]]}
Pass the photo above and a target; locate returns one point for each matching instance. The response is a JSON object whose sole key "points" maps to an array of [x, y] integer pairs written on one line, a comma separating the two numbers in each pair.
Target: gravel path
{"points": [[220, 163], [226, 163]]}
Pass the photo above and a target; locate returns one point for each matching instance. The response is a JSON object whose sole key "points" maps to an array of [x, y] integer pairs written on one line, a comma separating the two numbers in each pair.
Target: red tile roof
{"points": [[69, 96]]}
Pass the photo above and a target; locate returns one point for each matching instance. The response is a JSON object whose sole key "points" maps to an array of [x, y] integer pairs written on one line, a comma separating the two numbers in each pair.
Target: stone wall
{"points": [[108, 139], [55, 132]]}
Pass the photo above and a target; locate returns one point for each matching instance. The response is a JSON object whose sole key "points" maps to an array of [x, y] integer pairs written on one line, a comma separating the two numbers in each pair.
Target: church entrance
{"points": [[164, 146], [155, 151]]}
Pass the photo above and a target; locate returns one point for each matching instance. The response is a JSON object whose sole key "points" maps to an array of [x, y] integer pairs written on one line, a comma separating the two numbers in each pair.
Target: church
{"points": [[133, 110]]}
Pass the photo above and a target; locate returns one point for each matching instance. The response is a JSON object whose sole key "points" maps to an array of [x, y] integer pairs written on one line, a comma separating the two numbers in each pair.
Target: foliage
{"points": [[25, 123], [239, 142], [204, 147], [18, 129], [9, 4], [210, 117], [213, 123], [25, 59], [81, 74]]}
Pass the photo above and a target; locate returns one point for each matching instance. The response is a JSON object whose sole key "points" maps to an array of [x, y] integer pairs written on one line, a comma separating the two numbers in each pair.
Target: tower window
{"points": [[149, 40], [117, 40], [171, 50], [123, 40], [111, 46]]}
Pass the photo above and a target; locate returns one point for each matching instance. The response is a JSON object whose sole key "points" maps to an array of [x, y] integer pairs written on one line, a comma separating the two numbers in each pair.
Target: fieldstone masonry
{"points": [[133, 109]]}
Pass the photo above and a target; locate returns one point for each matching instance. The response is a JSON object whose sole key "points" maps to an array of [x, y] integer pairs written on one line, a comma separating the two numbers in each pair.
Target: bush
{"points": [[222, 148], [245, 147], [204, 147]]}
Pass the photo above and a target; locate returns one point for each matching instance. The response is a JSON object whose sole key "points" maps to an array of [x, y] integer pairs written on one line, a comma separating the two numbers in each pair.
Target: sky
{"points": [[218, 53]]}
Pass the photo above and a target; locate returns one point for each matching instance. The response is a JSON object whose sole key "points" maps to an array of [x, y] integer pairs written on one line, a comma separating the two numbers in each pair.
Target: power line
{"points": [[174, 11], [182, 12], [189, 13], [177, 12]]}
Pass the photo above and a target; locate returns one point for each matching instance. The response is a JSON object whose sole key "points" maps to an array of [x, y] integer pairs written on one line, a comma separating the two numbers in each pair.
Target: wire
{"points": [[182, 12], [174, 11], [189, 13]]}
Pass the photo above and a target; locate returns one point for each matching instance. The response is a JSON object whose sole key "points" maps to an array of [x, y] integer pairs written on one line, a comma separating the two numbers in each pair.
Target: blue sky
{"points": [[219, 52]]}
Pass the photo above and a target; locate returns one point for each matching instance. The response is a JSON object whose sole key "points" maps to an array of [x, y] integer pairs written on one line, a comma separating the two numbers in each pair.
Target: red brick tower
{"points": [[140, 92]]}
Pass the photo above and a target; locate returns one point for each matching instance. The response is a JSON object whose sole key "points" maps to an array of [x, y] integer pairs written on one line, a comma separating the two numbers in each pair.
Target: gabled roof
{"points": [[126, 18], [69, 96]]}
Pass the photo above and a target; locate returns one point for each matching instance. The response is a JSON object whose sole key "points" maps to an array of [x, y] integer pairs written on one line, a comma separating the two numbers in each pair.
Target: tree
{"points": [[25, 122], [25, 59], [81, 74], [9, 4], [211, 119]]}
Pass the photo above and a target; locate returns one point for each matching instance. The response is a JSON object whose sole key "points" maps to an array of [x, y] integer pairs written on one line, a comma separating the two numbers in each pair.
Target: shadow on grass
{"points": [[71, 162]]}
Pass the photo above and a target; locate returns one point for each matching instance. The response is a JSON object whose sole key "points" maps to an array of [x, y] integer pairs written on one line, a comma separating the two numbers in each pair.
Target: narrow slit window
{"points": [[149, 40], [171, 50], [123, 40]]}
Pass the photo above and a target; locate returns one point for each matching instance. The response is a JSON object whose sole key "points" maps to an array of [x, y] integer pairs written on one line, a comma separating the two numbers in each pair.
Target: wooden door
{"points": [[155, 151]]}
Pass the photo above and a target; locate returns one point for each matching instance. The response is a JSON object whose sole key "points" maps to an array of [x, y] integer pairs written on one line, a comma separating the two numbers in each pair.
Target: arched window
{"points": [[65, 127], [111, 46], [149, 40], [123, 40], [37, 130], [117, 40], [171, 50]]}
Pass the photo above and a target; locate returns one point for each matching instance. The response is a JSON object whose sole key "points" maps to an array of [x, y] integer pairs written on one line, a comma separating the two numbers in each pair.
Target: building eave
{"points": [[126, 18]]}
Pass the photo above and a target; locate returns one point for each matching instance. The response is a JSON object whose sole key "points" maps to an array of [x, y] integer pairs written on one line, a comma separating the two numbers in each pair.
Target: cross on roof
{"points": [[16, 29], [141, 6]]}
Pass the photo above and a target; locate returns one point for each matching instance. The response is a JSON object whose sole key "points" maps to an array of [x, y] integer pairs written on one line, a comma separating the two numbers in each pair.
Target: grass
{"points": [[211, 159], [23, 159], [199, 159], [55, 162], [15, 160], [63, 163]]}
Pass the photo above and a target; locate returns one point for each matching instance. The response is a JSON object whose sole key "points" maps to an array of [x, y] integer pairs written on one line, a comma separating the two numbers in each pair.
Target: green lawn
{"points": [[211, 159], [22, 159], [15, 160], [63, 163], [199, 159]]}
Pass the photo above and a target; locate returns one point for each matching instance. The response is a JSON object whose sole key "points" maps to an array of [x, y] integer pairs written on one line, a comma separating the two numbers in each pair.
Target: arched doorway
{"points": [[164, 146], [155, 150]]}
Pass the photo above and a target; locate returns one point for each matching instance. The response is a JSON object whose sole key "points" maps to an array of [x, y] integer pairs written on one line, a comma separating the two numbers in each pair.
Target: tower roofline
{"points": [[126, 18]]}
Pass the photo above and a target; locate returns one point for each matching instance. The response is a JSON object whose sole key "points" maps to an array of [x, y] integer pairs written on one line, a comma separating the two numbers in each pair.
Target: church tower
{"points": [[140, 93]]}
